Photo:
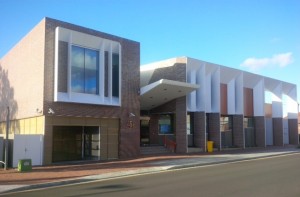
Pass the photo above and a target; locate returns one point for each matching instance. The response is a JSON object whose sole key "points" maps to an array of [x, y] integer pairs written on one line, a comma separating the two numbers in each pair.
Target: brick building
{"points": [[75, 87], [79, 94], [232, 108]]}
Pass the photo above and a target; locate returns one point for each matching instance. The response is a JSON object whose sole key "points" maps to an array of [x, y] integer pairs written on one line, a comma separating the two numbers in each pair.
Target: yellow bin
{"points": [[210, 146]]}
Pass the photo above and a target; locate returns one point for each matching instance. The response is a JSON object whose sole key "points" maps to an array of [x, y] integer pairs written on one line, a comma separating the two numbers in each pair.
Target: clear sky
{"points": [[260, 36]]}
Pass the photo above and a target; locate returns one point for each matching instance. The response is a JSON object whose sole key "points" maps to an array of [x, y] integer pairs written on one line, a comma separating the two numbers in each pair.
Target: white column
{"points": [[207, 97], [69, 64], [110, 73], [215, 97], [201, 96], [292, 104], [239, 94], [231, 97], [277, 108], [56, 63], [259, 98], [102, 71], [120, 71]]}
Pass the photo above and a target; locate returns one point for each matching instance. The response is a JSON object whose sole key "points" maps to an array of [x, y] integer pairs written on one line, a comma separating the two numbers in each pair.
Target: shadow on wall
{"points": [[6, 97], [7, 100]]}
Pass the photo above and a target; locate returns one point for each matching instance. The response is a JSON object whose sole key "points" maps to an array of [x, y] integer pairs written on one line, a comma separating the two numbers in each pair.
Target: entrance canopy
{"points": [[163, 91]]}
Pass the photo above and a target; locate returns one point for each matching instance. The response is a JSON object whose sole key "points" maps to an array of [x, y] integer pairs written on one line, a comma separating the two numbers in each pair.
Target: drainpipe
{"points": [[6, 140]]}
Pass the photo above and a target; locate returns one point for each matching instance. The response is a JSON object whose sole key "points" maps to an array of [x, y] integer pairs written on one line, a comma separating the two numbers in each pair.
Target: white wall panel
{"points": [[231, 97], [277, 107], [239, 94], [259, 98], [208, 93], [292, 104], [201, 92], [215, 91]]}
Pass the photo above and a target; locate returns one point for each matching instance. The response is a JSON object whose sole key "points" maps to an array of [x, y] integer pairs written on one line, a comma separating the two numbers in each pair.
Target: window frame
{"points": [[170, 125], [75, 38], [85, 90]]}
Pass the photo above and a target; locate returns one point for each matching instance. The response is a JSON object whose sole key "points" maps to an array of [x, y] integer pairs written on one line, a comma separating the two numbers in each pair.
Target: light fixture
{"points": [[39, 111], [131, 114], [50, 111]]}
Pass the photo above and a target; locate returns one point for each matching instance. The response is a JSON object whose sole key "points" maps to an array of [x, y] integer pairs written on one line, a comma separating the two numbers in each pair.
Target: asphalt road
{"points": [[278, 176]]}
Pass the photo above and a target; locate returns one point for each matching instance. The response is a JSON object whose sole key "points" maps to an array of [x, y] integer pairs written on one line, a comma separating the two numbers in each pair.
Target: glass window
{"points": [[226, 132], [165, 124], [226, 123], [190, 123], [115, 75], [248, 122], [85, 70]]}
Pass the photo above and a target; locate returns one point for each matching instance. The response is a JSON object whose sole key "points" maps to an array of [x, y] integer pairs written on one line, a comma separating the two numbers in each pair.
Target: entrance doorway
{"points": [[91, 143], [145, 131], [226, 131], [71, 143]]}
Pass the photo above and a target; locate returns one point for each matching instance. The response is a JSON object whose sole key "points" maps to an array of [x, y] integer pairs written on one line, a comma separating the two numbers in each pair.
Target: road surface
{"points": [[277, 176]]}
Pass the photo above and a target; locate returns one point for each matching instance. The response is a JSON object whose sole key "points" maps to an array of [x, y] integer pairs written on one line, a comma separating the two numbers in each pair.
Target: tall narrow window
{"points": [[115, 75], [85, 70]]}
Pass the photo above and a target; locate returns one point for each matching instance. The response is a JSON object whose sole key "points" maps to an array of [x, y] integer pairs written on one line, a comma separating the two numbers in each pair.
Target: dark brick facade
{"points": [[293, 131], [177, 107], [180, 118], [129, 137], [238, 131], [278, 131], [176, 72], [153, 129], [199, 130], [213, 126], [260, 136]]}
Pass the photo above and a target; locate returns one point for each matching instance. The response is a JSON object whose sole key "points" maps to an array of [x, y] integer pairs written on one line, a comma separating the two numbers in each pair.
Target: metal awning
{"points": [[163, 91]]}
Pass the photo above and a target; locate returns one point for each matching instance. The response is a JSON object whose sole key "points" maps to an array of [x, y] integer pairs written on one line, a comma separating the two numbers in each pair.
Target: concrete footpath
{"points": [[62, 174]]}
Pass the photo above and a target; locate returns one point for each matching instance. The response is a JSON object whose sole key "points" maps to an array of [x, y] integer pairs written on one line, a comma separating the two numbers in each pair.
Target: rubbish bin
{"points": [[24, 165], [210, 146]]}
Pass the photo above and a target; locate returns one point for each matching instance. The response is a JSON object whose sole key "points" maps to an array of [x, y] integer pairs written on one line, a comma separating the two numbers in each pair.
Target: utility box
{"points": [[210, 146], [24, 165]]}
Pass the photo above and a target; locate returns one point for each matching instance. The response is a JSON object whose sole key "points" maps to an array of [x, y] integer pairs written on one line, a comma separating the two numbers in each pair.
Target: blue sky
{"points": [[260, 36]]}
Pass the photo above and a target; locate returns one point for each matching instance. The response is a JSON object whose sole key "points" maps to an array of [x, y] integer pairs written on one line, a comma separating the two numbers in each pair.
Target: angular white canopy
{"points": [[163, 91]]}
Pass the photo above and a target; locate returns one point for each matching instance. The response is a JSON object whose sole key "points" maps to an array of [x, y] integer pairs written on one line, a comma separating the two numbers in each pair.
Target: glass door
{"points": [[91, 150]]}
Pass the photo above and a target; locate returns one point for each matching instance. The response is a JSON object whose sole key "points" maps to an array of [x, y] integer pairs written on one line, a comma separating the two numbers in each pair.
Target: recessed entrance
{"points": [[71, 143], [145, 129]]}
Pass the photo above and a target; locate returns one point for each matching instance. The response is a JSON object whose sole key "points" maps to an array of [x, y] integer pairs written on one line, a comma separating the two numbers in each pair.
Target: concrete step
{"points": [[153, 150]]}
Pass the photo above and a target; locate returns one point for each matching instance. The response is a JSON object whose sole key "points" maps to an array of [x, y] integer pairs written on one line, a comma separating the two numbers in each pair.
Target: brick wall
{"points": [[180, 118], [177, 106], [176, 72], [153, 129], [223, 99], [248, 102], [293, 131], [278, 131], [199, 130], [213, 126], [129, 136], [260, 135], [238, 131]]}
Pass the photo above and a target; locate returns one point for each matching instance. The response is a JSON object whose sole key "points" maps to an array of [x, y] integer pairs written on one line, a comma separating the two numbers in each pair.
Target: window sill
{"points": [[87, 99]]}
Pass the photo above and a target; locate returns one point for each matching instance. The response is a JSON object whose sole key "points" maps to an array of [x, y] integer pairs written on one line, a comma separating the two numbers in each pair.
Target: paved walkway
{"points": [[46, 176]]}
